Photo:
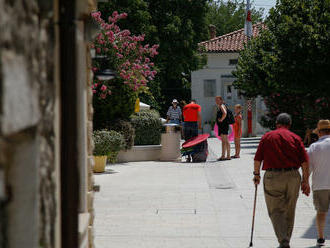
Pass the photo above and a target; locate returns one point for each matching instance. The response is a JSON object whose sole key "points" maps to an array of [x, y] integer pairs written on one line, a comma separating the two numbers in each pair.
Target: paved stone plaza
{"points": [[180, 205]]}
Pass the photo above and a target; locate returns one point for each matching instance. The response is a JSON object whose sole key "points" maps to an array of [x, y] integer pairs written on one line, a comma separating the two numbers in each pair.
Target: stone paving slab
{"points": [[178, 205]]}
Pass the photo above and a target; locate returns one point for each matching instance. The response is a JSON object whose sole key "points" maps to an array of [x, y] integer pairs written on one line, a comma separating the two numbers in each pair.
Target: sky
{"points": [[266, 4]]}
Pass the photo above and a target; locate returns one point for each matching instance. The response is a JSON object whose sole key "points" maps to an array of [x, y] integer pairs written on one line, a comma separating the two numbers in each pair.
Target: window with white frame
{"points": [[210, 88]]}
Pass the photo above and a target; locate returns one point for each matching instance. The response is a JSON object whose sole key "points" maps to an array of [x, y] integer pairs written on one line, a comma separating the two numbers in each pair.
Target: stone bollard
{"points": [[170, 141]]}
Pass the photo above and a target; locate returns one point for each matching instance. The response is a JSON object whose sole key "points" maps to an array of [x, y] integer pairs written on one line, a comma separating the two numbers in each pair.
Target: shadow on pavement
{"points": [[249, 143], [121, 163], [107, 171], [311, 232], [251, 139], [249, 147]]}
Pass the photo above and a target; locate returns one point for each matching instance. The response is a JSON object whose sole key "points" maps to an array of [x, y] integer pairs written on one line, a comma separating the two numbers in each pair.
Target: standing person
{"points": [[282, 153], [319, 157], [237, 130], [192, 121], [223, 128], [311, 136], [174, 114], [182, 104]]}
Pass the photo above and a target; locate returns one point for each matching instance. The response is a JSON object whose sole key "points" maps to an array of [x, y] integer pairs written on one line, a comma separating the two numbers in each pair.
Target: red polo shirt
{"points": [[281, 149], [190, 112]]}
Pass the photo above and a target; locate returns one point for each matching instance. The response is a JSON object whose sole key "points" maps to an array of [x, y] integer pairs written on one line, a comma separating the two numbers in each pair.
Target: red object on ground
{"points": [[190, 112], [196, 140]]}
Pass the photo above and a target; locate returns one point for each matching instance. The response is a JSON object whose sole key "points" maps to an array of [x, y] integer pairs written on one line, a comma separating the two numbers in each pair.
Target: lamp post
{"points": [[104, 73]]}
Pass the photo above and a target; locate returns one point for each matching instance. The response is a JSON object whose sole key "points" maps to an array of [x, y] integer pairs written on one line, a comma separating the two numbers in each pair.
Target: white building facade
{"points": [[216, 79]]}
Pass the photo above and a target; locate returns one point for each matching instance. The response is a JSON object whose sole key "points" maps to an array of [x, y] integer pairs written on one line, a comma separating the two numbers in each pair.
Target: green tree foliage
{"points": [[177, 26], [229, 16], [288, 64], [137, 22], [120, 105]]}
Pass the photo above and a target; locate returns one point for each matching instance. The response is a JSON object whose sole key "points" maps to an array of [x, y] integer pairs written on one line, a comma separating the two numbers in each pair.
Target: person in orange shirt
{"points": [[192, 121], [237, 130]]}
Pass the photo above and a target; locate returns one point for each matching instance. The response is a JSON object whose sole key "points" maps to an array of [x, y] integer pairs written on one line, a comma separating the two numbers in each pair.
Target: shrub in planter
{"points": [[147, 125], [107, 144], [127, 130]]}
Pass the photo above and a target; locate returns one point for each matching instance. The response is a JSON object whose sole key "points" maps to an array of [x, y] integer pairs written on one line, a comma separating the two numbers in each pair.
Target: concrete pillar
{"points": [[82, 114], [23, 208]]}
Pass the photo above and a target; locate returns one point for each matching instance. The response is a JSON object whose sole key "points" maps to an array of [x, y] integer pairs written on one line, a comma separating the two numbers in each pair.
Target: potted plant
{"points": [[106, 143], [117, 143]]}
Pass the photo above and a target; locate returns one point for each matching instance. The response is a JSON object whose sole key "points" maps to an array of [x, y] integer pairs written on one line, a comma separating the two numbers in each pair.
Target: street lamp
{"points": [[104, 73]]}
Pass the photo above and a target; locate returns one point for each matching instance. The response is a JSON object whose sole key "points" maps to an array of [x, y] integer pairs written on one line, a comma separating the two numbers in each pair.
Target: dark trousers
{"points": [[190, 129]]}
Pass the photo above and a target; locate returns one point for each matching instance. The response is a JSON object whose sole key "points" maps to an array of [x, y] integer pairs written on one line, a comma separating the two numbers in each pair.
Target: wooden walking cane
{"points": [[254, 212]]}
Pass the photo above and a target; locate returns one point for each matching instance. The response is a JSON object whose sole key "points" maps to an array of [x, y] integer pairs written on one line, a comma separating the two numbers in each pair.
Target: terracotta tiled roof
{"points": [[232, 42]]}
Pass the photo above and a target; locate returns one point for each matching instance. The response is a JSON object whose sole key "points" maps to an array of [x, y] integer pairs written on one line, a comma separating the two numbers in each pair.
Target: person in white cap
{"points": [[319, 163], [174, 113]]}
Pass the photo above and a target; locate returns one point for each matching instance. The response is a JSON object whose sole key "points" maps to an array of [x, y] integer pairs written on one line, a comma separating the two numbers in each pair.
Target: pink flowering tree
{"points": [[126, 54]]}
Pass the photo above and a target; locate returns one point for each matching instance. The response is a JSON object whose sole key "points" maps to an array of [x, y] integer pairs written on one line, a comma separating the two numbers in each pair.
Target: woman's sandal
{"points": [[235, 156]]}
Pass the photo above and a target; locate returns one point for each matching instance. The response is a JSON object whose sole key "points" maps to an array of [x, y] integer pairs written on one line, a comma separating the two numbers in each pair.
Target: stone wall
{"points": [[84, 8], [29, 123], [27, 113]]}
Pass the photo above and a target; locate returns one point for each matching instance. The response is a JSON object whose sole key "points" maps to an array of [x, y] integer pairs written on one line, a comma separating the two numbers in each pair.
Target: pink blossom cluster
{"points": [[128, 56], [101, 88]]}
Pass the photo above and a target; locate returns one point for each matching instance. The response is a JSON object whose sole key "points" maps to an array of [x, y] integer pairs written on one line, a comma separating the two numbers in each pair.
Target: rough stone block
{"points": [[90, 143], [20, 107], [90, 176], [90, 182], [23, 222], [91, 236], [90, 110], [84, 8], [90, 200], [92, 217]]}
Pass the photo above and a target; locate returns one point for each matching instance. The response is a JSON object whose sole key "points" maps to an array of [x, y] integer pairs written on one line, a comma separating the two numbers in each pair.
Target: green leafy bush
{"points": [[107, 141], [120, 105], [127, 130], [147, 127]]}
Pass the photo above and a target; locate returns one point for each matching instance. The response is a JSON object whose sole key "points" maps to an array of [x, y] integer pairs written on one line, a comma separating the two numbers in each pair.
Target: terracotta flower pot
{"points": [[99, 163]]}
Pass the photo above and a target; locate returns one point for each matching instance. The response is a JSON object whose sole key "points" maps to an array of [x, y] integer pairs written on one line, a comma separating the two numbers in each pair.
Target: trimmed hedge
{"points": [[107, 141], [127, 130], [147, 125]]}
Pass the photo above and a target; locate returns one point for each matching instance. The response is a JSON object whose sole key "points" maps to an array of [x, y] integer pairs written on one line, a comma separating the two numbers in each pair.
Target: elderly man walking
{"points": [[282, 153], [319, 162]]}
